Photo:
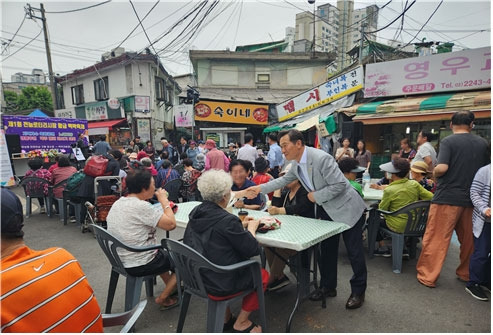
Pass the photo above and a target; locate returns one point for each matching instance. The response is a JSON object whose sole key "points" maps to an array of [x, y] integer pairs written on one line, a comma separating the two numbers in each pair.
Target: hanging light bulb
{"points": [[408, 130]]}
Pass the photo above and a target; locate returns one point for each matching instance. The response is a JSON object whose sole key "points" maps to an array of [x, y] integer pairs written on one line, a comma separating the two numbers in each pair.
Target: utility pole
{"points": [[363, 25], [30, 11], [313, 45]]}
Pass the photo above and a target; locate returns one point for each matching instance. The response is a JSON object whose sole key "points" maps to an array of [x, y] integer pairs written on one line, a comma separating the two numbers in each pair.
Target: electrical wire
{"points": [[140, 22], [397, 18], [78, 9], [25, 45], [15, 34], [238, 23]]}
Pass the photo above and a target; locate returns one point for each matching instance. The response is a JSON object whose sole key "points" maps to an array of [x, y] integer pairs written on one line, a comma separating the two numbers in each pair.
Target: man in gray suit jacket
{"points": [[319, 174]]}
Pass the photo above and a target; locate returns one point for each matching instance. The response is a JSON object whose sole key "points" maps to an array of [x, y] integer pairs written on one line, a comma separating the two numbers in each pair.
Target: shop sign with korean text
{"points": [[97, 111], [452, 71], [244, 113], [328, 92], [142, 106], [183, 115]]}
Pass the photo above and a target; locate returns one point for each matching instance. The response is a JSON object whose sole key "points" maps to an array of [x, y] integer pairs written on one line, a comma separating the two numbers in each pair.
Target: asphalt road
{"points": [[394, 302]]}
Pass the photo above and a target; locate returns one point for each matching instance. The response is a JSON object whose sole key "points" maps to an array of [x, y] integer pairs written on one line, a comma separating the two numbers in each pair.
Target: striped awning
{"points": [[429, 107]]}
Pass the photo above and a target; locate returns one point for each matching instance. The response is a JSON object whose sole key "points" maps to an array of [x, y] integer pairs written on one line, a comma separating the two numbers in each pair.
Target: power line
{"points": [[140, 22], [238, 23], [397, 18], [129, 34], [78, 9], [15, 34], [419, 31], [25, 45]]}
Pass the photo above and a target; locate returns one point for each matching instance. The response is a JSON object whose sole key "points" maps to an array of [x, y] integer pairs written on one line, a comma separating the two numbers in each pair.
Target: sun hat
{"points": [[358, 169], [209, 144], [192, 142], [389, 167], [420, 167]]}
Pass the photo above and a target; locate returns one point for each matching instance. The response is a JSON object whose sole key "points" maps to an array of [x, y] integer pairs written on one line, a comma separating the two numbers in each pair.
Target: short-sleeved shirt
{"points": [[364, 158], [255, 201], [425, 150], [464, 154], [357, 187], [248, 153], [341, 150], [134, 222], [46, 291]]}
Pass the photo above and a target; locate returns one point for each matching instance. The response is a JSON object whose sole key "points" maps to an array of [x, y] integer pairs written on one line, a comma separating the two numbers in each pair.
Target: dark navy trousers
{"points": [[329, 254], [480, 263]]}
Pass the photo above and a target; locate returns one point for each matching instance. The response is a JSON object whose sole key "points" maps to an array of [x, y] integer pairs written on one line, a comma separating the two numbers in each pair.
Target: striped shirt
{"points": [[46, 291], [480, 197]]}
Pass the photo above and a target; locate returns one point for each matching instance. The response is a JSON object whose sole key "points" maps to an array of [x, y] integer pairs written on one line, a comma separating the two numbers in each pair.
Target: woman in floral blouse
{"points": [[37, 170]]}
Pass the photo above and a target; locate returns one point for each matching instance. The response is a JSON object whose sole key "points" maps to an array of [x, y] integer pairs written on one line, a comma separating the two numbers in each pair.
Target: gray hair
{"points": [[214, 184], [146, 161]]}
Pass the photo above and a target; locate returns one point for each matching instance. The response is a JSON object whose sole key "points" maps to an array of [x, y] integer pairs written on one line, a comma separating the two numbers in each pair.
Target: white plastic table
{"points": [[297, 233], [372, 194]]}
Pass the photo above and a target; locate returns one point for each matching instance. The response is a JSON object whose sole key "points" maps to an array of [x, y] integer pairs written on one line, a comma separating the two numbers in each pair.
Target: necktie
{"points": [[302, 175]]}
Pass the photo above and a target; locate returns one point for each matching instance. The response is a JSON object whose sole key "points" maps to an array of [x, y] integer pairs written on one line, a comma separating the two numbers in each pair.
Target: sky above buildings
{"points": [[79, 38]]}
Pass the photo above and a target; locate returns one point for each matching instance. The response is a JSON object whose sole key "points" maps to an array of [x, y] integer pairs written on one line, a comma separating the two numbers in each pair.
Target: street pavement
{"points": [[394, 302]]}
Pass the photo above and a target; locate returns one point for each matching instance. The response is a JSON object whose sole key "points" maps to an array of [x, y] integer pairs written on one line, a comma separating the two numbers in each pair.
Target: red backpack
{"points": [[96, 166]]}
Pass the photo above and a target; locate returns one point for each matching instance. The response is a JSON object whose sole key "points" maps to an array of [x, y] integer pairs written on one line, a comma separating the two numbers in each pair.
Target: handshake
{"points": [[248, 193]]}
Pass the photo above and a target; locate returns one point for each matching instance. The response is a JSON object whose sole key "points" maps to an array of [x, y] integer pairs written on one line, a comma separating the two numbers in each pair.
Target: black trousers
{"points": [[327, 261]]}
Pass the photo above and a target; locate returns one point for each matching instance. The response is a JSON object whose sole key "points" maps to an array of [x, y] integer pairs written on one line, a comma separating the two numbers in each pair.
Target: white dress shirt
{"points": [[248, 153], [303, 170]]}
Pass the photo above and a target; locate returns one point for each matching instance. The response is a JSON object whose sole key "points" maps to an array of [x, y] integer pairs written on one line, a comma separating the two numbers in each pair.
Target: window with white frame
{"points": [[101, 89], [77, 94]]}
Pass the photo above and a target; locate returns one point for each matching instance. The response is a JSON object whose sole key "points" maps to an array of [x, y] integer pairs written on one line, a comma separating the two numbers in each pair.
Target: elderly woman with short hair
{"points": [[220, 237]]}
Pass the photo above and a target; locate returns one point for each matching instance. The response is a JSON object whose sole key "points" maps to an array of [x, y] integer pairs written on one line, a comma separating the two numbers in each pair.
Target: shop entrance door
{"points": [[223, 136]]}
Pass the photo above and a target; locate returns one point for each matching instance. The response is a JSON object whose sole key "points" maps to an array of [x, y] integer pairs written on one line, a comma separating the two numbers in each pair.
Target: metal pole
{"points": [[48, 56]]}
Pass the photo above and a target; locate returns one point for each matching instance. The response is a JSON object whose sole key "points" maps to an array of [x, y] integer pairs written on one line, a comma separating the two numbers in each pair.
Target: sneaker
{"points": [[486, 287], [42, 210], [278, 284], [382, 253], [477, 292], [405, 254]]}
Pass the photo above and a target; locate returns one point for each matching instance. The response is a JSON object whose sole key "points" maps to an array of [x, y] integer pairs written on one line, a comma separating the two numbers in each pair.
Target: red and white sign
{"points": [[328, 92], [142, 106], [452, 71]]}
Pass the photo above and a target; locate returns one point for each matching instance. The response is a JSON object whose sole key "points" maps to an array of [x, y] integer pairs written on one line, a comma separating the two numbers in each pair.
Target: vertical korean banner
{"points": [[6, 173]]}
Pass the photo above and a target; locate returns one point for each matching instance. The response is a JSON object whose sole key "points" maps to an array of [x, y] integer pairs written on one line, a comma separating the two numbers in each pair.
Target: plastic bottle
{"points": [[366, 180]]}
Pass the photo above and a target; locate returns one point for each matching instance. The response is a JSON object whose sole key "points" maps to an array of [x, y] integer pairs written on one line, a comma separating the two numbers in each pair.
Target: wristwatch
{"points": [[167, 206]]}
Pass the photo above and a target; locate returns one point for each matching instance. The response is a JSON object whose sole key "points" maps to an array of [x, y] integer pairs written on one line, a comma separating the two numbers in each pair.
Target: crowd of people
{"points": [[299, 180]]}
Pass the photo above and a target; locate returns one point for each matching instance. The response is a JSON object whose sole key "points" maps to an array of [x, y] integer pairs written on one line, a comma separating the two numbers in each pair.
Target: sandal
{"points": [[170, 306], [228, 326], [247, 330]]}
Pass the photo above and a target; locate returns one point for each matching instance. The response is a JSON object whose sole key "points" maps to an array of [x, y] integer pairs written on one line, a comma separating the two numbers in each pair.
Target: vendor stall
{"points": [[117, 132]]}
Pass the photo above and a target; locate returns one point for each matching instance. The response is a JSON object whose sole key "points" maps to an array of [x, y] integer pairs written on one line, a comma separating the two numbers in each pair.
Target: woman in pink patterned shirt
{"points": [[37, 170]]}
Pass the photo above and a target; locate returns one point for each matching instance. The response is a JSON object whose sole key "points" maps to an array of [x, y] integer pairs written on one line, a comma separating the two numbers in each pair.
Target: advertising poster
{"points": [[144, 129], [44, 133], [183, 115], [6, 173]]}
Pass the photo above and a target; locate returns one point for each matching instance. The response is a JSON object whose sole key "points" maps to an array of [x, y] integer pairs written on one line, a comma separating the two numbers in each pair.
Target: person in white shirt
{"points": [[248, 151], [426, 153]]}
